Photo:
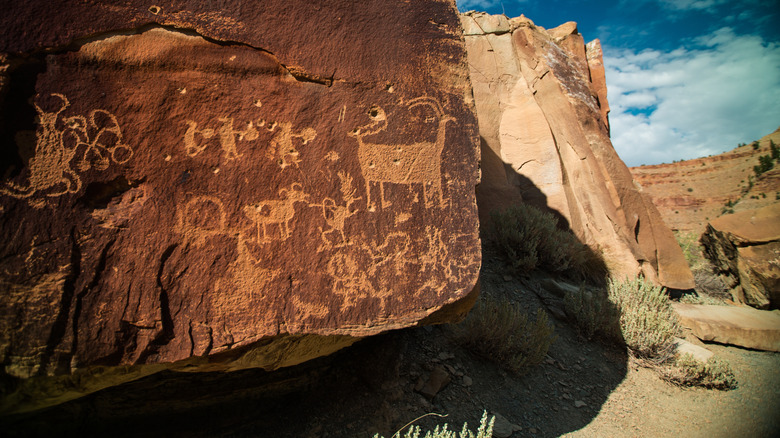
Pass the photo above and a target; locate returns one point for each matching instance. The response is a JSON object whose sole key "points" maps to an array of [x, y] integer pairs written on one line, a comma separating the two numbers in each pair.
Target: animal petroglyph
{"points": [[282, 149], [402, 163], [276, 212], [227, 138], [336, 215], [96, 139]]}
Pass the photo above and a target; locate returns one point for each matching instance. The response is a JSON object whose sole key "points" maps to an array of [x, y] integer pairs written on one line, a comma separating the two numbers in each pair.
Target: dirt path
{"points": [[643, 405]]}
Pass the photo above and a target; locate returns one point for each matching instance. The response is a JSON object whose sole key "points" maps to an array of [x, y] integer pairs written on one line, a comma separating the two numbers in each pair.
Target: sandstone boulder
{"points": [[542, 111], [742, 326], [210, 186], [745, 249]]}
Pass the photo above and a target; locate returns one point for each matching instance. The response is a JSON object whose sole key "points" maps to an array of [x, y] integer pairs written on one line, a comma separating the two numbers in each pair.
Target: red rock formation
{"points": [[541, 105], [691, 193], [205, 185], [745, 249]]}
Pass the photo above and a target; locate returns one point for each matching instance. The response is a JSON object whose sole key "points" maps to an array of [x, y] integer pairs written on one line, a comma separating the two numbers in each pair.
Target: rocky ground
{"points": [[583, 388]]}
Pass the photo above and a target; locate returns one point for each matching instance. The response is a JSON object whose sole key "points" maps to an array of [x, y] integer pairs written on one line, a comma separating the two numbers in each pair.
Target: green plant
{"points": [[529, 238], [690, 189], [755, 145], [647, 321], [485, 430], [686, 370], [503, 333], [774, 150], [765, 164], [701, 299], [689, 243], [593, 313], [635, 311]]}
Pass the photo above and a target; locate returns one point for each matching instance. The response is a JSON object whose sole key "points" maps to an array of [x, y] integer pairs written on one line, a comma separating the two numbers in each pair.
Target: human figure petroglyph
{"points": [[276, 212], [336, 215], [226, 134], [282, 149], [55, 149], [402, 163], [353, 280]]}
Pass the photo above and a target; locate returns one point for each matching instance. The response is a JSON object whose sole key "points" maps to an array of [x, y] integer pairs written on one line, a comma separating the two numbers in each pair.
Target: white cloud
{"points": [[692, 102]]}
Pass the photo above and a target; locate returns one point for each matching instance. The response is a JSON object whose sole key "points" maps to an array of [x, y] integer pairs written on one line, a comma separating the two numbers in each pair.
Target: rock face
{"points": [[745, 249], [205, 185], [743, 326], [691, 193], [542, 110]]}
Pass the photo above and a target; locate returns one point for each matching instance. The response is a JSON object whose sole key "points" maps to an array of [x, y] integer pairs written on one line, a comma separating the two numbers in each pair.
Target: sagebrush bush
{"points": [[686, 370], [485, 430], [593, 313], [530, 238], [634, 311], [500, 332], [648, 323]]}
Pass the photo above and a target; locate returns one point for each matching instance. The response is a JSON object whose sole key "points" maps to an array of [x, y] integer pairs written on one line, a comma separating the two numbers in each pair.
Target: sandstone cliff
{"points": [[542, 110], [208, 186], [691, 193]]}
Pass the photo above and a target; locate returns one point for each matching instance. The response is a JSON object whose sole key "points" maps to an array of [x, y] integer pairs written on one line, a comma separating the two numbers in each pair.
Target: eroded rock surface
{"points": [[201, 185], [744, 247], [743, 326], [542, 109]]}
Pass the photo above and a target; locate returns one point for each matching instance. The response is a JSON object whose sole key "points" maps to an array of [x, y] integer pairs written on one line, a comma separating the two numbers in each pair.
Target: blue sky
{"points": [[685, 78]]}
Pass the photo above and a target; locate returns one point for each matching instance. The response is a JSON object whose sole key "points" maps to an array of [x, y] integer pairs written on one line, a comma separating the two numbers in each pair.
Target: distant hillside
{"points": [[690, 193]]}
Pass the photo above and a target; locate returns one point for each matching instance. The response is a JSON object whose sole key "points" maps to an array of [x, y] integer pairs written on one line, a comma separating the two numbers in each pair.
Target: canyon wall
{"points": [[211, 187], [542, 110], [691, 193]]}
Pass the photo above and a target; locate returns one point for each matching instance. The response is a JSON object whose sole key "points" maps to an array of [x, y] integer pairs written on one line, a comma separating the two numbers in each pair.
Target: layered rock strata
{"points": [[214, 186], [691, 193], [744, 247], [542, 110]]}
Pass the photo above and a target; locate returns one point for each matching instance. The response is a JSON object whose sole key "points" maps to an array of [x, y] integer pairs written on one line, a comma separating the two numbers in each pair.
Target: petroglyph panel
{"points": [[195, 197], [67, 146]]}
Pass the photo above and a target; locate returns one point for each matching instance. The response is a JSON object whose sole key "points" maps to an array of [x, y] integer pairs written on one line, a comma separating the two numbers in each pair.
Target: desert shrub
{"points": [[485, 430], [593, 314], [529, 238], [691, 248], [635, 311], [701, 299], [686, 370], [503, 333], [647, 321]]}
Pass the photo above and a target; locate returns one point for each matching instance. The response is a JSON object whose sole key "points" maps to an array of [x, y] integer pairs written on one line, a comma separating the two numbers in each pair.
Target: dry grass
{"points": [[688, 371], [530, 239], [505, 334]]}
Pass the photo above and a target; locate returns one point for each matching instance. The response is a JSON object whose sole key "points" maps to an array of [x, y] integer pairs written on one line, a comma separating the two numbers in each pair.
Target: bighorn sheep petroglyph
{"points": [[278, 212], [402, 163]]}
